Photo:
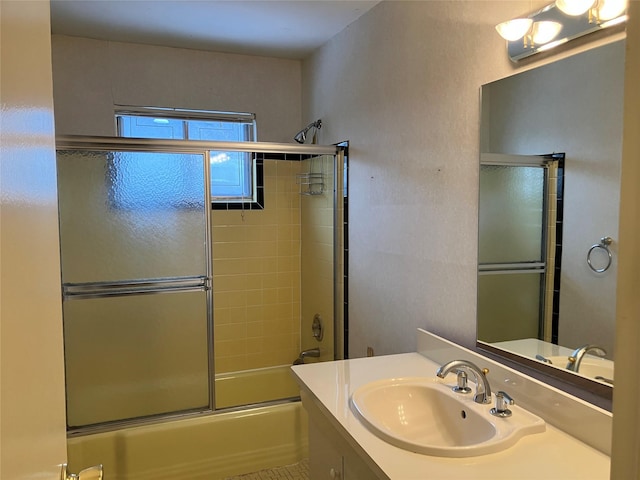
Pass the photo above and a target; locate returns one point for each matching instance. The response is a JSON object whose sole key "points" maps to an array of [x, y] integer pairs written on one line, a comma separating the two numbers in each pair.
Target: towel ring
{"points": [[604, 245]]}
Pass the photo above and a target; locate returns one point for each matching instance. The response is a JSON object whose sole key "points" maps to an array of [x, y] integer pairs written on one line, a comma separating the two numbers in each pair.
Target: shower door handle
{"points": [[91, 473]]}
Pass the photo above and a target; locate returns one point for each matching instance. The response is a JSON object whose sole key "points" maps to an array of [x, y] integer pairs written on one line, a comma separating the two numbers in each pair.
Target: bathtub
{"points": [[255, 386], [207, 447]]}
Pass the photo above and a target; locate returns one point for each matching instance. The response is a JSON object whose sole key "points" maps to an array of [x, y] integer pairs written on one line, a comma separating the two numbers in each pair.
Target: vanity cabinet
{"points": [[331, 457], [342, 447]]}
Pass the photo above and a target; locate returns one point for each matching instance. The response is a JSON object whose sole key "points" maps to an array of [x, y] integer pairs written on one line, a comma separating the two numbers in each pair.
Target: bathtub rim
{"points": [[159, 418], [166, 418]]}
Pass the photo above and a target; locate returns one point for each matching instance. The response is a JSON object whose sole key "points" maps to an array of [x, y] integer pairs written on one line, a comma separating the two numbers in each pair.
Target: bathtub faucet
{"points": [[311, 352]]}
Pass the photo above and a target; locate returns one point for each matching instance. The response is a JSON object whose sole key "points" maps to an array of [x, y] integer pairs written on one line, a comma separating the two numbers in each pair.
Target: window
{"points": [[235, 180]]}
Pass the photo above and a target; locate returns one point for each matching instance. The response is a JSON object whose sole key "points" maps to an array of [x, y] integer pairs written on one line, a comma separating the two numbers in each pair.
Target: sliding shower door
{"points": [[519, 228], [134, 232], [143, 279]]}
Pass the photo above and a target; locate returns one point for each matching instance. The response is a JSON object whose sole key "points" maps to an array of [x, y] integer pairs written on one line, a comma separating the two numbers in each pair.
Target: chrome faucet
{"points": [[311, 352], [483, 389], [576, 357]]}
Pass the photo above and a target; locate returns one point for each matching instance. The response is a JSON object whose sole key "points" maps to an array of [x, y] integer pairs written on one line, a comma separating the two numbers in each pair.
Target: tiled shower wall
{"points": [[256, 275]]}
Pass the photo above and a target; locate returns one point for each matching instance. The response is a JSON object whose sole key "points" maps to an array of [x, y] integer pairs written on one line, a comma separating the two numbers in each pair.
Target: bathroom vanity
{"points": [[574, 443]]}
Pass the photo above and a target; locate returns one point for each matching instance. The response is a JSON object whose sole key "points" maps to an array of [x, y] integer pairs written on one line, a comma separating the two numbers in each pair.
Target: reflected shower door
{"points": [[511, 252], [135, 271]]}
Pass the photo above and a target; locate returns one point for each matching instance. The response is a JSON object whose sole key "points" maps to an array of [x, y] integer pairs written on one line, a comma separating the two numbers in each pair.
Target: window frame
{"points": [[218, 202]]}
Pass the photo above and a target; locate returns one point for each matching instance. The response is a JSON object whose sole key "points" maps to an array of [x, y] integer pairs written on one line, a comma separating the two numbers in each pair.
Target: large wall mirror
{"points": [[549, 203]]}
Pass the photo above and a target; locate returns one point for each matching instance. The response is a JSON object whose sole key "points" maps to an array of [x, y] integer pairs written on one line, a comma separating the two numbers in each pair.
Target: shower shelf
{"points": [[310, 183]]}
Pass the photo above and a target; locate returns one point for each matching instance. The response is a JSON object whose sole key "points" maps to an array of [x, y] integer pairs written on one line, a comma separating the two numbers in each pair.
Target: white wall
{"points": [[32, 422], [91, 76], [402, 85], [626, 403]]}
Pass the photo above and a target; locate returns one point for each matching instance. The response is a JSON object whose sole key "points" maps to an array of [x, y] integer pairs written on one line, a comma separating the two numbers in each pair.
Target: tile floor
{"points": [[297, 471]]}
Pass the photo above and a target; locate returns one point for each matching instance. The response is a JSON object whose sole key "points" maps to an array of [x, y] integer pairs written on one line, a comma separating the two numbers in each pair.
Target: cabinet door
{"points": [[355, 469], [325, 461]]}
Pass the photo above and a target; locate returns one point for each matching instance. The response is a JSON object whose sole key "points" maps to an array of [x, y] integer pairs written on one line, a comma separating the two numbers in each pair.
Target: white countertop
{"points": [[546, 456]]}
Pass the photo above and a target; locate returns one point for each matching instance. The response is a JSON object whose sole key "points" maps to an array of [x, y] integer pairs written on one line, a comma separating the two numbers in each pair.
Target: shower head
{"points": [[301, 136]]}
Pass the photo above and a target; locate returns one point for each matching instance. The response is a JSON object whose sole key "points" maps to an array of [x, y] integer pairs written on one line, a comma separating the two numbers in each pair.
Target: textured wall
{"points": [[91, 76], [402, 85]]}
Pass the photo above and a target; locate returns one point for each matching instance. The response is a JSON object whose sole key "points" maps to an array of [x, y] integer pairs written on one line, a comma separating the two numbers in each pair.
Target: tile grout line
{"points": [[297, 471]]}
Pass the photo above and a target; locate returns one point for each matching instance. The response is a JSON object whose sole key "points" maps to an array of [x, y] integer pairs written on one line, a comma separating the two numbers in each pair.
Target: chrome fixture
{"points": [[578, 354], [462, 386], [503, 400], [317, 327], [543, 359], [301, 136], [483, 389], [603, 245], [604, 379], [91, 473], [311, 352], [558, 23]]}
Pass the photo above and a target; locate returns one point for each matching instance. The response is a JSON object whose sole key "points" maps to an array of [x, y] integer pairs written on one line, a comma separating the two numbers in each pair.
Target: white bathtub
{"points": [[209, 447]]}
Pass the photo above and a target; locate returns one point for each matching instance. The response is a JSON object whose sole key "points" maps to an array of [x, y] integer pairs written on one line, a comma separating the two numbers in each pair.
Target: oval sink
{"points": [[424, 416]]}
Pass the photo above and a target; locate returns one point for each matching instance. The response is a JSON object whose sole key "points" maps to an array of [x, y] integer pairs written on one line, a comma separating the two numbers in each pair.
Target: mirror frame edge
{"points": [[596, 393]]}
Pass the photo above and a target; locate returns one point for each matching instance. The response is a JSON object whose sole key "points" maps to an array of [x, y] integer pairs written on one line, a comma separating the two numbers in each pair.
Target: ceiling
{"points": [[286, 29]]}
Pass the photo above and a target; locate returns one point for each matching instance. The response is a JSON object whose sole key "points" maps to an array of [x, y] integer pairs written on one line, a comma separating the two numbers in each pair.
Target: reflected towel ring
{"points": [[604, 245]]}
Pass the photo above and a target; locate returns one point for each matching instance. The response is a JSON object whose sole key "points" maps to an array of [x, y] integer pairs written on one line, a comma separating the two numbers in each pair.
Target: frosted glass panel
{"points": [[511, 214], [508, 306], [126, 215], [135, 356]]}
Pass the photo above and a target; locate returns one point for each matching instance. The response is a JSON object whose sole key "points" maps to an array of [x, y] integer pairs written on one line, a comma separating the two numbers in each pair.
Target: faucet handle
{"points": [[503, 400], [462, 386]]}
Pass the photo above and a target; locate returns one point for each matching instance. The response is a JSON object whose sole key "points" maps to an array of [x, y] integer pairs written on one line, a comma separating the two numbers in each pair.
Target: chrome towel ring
{"points": [[604, 245]]}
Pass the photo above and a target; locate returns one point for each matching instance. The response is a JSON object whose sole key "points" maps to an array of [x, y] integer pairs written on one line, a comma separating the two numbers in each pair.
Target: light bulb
{"points": [[574, 7], [544, 32], [514, 29], [610, 9]]}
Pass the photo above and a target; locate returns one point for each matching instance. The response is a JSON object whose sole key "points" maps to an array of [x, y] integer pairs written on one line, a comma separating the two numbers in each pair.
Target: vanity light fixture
{"points": [[598, 10], [515, 29], [558, 23], [532, 33]]}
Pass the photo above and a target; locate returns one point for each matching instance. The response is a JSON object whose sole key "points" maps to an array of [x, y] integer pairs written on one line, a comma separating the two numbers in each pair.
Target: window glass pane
{"points": [[149, 127], [231, 172], [217, 131]]}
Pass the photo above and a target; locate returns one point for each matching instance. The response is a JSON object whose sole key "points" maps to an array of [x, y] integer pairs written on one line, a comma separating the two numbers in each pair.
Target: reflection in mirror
{"points": [[520, 230], [538, 296]]}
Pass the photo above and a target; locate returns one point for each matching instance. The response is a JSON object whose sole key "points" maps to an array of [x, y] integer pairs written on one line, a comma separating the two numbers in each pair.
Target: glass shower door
{"points": [[134, 232]]}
